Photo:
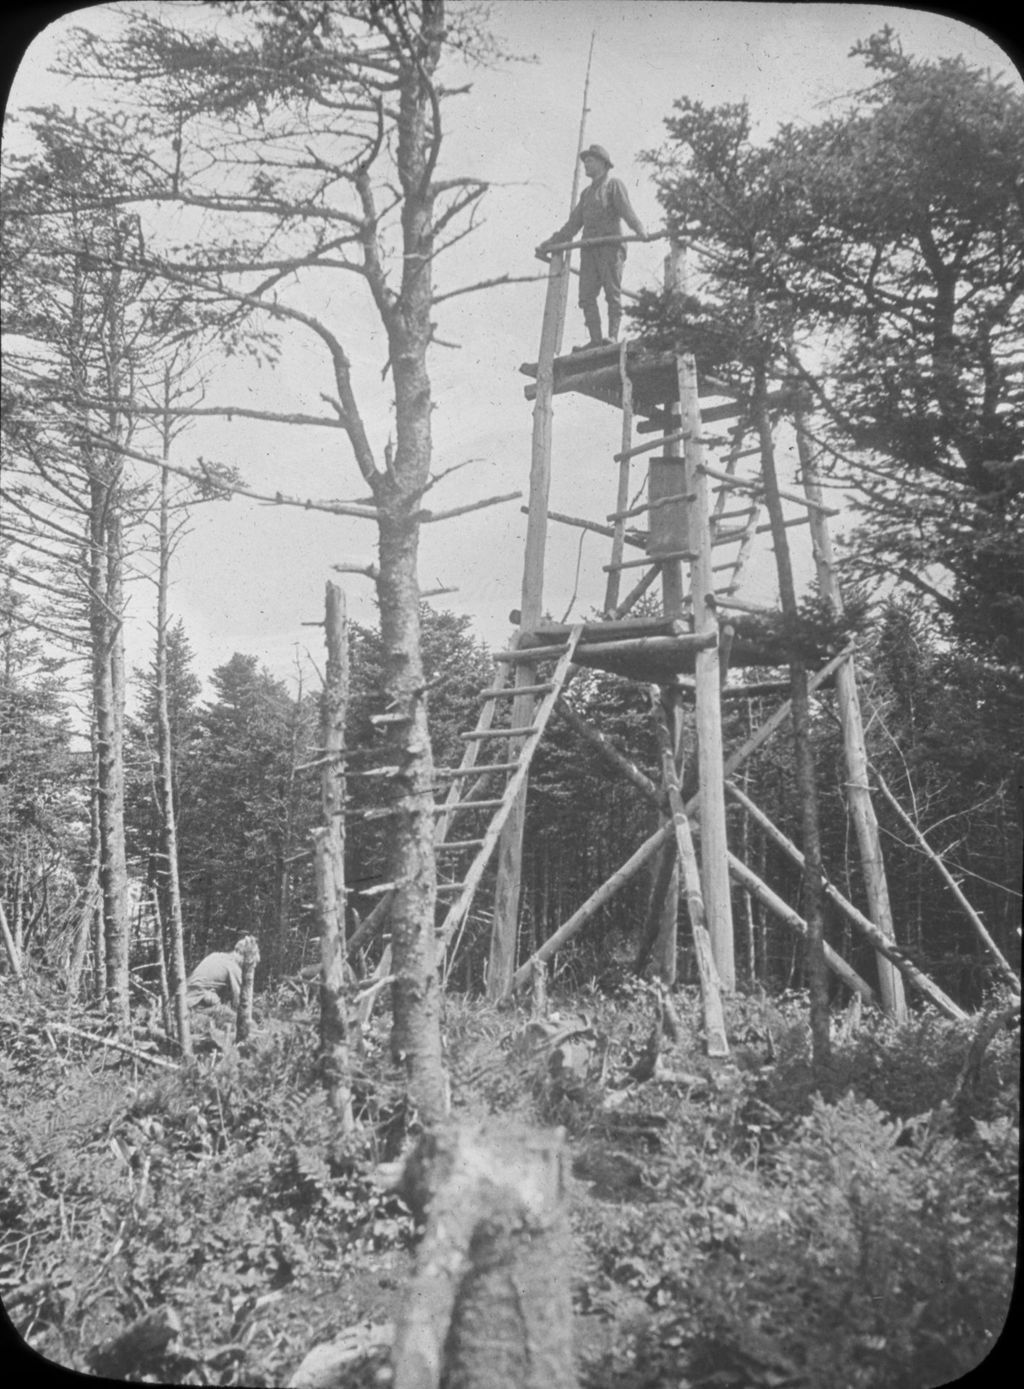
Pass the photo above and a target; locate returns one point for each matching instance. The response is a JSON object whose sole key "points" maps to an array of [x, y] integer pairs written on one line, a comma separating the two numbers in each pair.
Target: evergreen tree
{"points": [[885, 243], [44, 785], [906, 243], [237, 830]]}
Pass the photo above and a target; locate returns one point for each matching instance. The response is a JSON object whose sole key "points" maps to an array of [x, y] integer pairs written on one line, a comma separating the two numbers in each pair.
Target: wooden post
{"points": [[714, 1020], [805, 772], [858, 791], [13, 958], [714, 846], [611, 596], [668, 524], [667, 712], [856, 918], [329, 862], [504, 932], [760, 889], [250, 953]]}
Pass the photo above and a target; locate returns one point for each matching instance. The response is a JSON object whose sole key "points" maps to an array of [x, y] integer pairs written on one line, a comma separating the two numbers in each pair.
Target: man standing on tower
{"points": [[603, 206]]}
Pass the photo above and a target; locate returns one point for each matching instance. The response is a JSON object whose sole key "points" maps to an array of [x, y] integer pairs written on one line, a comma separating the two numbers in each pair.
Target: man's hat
{"points": [[599, 152]]}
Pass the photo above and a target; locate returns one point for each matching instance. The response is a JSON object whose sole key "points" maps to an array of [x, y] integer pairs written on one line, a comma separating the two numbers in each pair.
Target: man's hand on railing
{"points": [[547, 248]]}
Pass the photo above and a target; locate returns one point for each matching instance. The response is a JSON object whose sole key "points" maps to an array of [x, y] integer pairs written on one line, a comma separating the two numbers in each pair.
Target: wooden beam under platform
{"points": [[606, 631], [658, 421], [595, 372], [658, 647]]}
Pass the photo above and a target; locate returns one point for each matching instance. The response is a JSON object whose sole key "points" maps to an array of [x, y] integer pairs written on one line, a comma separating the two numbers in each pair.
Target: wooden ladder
{"points": [[724, 530], [475, 852]]}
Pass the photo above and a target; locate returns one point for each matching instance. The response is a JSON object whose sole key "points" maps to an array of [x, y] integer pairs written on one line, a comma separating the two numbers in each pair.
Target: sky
{"points": [[250, 577]]}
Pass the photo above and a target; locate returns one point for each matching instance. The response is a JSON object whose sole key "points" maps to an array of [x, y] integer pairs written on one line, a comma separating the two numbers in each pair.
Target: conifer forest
{"points": [[630, 1000]]}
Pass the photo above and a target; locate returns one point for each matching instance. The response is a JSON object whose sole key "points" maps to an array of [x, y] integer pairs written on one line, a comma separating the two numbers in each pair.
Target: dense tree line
{"points": [[247, 802]]}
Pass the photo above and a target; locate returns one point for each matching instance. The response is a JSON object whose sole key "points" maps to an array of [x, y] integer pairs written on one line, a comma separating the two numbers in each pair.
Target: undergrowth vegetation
{"points": [[735, 1224]]}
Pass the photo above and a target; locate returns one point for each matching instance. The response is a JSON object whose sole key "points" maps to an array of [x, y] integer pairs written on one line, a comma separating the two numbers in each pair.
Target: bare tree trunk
{"points": [[329, 863], [416, 997], [161, 966], [806, 775], [168, 878], [416, 1035], [286, 857], [108, 697], [17, 925], [99, 944], [104, 582]]}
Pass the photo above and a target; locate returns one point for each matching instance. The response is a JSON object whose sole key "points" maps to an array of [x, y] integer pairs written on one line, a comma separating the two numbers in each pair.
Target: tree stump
{"points": [[489, 1304], [144, 1347]]}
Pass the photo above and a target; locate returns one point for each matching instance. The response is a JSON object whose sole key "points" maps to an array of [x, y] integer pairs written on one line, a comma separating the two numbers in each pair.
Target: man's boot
{"points": [[614, 323], [592, 319]]}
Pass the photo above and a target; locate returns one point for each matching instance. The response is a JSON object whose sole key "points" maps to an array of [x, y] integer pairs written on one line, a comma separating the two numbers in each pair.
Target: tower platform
{"points": [[595, 372]]}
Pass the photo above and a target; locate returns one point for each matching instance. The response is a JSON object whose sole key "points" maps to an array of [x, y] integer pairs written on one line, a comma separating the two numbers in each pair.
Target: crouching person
{"points": [[217, 979]]}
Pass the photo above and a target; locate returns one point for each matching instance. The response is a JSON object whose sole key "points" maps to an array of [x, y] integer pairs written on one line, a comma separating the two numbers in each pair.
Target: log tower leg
{"points": [[714, 848], [890, 982], [504, 933]]}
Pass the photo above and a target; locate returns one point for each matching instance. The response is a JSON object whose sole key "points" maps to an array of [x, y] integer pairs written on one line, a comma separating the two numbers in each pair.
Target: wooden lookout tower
{"points": [[706, 455]]}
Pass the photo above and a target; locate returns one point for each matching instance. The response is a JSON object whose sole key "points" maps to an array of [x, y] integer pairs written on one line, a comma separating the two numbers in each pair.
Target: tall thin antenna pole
{"points": [[584, 113]]}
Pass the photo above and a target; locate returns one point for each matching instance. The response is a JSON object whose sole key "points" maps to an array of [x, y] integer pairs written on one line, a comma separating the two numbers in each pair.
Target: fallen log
{"points": [[112, 1042]]}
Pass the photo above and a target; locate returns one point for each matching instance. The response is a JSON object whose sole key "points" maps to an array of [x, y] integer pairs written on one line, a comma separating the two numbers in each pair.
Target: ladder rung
{"points": [[510, 691], [652, 560], [450, 773], [721, 568], [731, 515], [795, 497], [728, 537], [390, 718], [524, 654], [796, 521], [448, 887], [451, 845], [651, 446], [467, 805], [374, 771], [741, 604], [478, 735], [377, 891], [651, 506]]}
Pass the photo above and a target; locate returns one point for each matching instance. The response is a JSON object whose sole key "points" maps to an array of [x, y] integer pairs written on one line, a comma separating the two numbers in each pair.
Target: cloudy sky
{"points": [[249, 575]]}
